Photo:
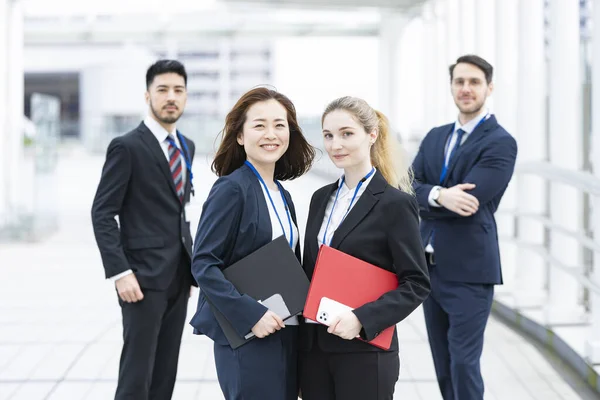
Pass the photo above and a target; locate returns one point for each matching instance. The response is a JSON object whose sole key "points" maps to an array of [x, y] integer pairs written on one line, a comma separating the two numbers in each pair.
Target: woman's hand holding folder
{"points": [[268, 324]]}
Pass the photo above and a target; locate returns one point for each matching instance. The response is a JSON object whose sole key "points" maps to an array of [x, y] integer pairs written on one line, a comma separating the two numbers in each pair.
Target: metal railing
{"points": [[584, 182], [580, 270]]}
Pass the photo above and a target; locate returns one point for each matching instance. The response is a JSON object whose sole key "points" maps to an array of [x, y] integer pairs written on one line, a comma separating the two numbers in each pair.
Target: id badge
{"points": [[186, 210]]}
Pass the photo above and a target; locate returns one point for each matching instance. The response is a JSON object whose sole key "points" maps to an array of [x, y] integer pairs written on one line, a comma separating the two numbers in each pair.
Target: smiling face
{"points": [[346, 141], [266, 133], [469, 88]]}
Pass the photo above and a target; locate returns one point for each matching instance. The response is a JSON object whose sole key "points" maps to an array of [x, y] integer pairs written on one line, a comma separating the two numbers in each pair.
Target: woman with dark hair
{"points": [[247, 208]]}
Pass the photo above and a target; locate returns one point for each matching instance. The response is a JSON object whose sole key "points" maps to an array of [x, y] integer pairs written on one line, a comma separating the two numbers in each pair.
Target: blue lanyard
{"points": [[188, 164], [261, 180], [349, 206]]}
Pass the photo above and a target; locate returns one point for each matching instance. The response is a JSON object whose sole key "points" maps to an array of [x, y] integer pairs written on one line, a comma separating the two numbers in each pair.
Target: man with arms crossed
{"points": [[461, 172], [146, 181]]}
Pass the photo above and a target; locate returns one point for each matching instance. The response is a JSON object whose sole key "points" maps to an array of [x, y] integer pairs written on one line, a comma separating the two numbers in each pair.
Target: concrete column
{"points": [[453, 29], [15, 94], [468, 26], [485, 33], [592, 348], [505, 68], [453, 46], [392, 28], [429, 66], [441, 101], [531, 131], [4, 107], [505, 97], [566, 152]]}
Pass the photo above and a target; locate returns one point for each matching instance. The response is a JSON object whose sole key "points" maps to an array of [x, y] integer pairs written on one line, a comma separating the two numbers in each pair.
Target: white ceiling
{"points": [[400, 5], [144, 21]]}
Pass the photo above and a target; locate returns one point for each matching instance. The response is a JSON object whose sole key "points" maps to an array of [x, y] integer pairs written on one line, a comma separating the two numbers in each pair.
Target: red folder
{"points": [[350, 281]]}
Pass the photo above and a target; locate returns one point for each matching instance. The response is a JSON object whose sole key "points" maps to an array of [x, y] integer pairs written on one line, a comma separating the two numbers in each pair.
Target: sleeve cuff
{"points": [[430, 199], [119, 276], [365, 333]]}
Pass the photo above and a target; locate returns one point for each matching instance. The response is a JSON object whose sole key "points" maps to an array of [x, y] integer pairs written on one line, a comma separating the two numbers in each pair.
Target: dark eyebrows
{"points": [[265, 120], [472, 79], [167, 86]]}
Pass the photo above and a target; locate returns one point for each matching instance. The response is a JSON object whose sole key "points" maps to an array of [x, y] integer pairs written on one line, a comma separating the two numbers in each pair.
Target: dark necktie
{"points": [[459, 137], [176, 167]]}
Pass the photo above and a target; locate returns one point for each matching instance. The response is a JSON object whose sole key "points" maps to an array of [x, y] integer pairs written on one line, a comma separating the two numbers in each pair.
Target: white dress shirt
{"points": [[469, 127], [276, 226], [161, 135]]}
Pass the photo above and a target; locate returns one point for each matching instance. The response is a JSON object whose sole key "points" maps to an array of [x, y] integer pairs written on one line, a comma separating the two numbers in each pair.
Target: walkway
{"points": [[60, 321]]}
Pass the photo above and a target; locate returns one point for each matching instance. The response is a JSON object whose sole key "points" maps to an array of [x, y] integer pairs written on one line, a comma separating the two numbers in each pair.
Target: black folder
{"points": [[271, 270]]}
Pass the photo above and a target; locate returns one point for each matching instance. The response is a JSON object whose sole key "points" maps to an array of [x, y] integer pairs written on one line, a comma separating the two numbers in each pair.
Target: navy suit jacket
{"points": [[466, 248], [235, 222]]}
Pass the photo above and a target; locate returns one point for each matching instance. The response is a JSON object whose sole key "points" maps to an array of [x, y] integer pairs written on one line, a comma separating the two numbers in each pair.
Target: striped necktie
{"points": [[176, 166]]}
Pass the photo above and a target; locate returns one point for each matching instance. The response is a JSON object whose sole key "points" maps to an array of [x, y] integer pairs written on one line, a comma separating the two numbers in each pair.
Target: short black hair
{"points": [[477, 61], [164, 67]]}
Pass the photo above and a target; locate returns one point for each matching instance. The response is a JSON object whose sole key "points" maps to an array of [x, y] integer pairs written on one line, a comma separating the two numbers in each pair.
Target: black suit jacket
{"points": [[235, 222], [382, 228], [152, 235]]}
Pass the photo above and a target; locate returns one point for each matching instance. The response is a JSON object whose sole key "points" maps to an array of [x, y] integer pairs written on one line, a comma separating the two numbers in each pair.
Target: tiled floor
{"points": [[60, 321]]}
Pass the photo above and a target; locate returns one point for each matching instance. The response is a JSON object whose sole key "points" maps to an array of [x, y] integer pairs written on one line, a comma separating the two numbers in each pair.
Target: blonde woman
{"points": [[371, 214]]}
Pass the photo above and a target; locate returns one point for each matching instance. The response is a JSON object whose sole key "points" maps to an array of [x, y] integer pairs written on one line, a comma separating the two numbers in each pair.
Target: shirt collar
{"points": [[157, 130], [472, 124], [345, 189]]}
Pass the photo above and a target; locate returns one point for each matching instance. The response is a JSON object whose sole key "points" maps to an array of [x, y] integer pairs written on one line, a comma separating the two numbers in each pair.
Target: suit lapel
{"points": [[440, 150], [154, 148], [264, 218], [471, 140], [365, 203]]}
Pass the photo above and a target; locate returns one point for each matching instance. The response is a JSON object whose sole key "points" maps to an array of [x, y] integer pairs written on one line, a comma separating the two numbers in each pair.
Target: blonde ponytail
{"points": [[387, 158], [385, 152]]}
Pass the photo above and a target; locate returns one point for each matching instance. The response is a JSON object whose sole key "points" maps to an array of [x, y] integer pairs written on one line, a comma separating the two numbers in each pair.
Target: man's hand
{"points": [[129, 289], [269, 323], [455, 199], [347, 326]]}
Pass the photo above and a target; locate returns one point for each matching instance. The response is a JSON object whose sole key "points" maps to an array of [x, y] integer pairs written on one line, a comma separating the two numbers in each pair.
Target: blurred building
{"points": [[100, 88]]}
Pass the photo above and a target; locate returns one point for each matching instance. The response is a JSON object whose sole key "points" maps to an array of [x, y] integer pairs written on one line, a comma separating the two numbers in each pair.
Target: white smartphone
{"points": [[276, 304], [329, 309]]}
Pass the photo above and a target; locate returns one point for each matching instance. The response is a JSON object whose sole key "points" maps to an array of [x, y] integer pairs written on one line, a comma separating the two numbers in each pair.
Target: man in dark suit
{"points": [[146, 181], [461, 172]]}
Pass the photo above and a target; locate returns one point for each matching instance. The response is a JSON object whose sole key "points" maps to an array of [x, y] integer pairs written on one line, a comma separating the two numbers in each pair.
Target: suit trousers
{"points": [[348, 376], [262, 369], [456, 315], [152, 330]]}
